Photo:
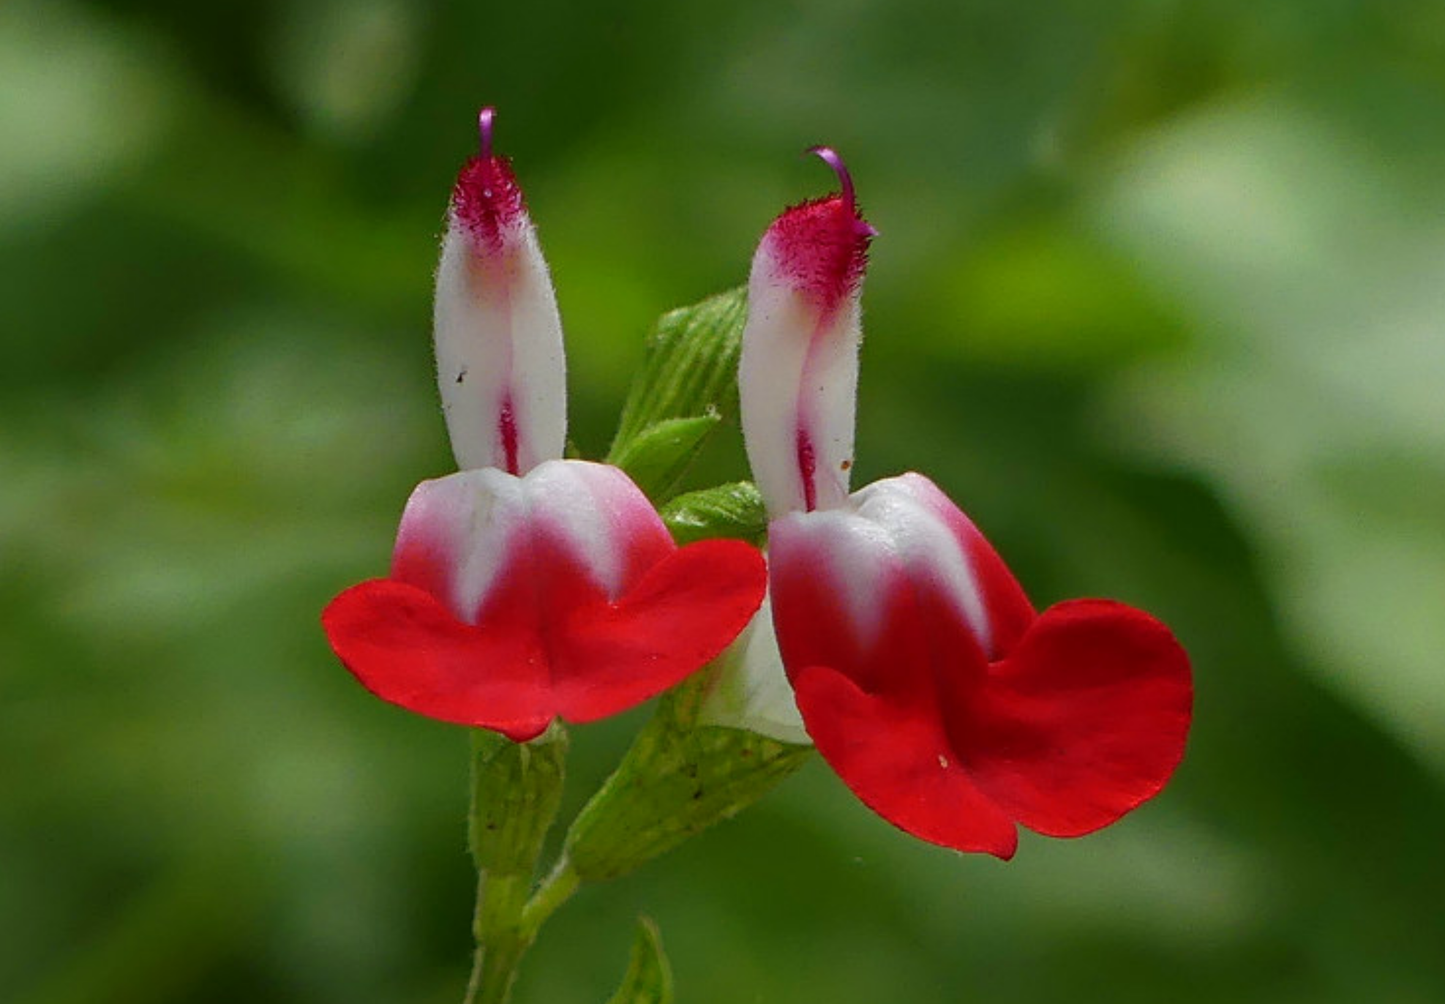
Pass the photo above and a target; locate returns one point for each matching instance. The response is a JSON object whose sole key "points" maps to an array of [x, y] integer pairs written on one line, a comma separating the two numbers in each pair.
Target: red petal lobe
{"points": [[406, 648], [547, 641], [900, 765], [1084, 720], [683, 612]]}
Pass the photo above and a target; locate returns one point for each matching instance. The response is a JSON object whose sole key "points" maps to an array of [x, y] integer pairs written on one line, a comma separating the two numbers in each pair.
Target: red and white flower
{"points": [[922, 672], [527, 587]]}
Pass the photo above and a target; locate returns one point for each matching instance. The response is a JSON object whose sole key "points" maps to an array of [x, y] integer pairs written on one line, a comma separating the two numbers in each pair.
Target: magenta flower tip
{"points": [[485, 118], [830, 157], [486, 197]]}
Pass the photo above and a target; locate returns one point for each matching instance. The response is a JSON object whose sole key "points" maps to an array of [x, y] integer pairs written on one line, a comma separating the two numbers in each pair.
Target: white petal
{"points": [[891, 530], [749, 689], [910, 510], [855, 557], [458, 532], [609, 522]]}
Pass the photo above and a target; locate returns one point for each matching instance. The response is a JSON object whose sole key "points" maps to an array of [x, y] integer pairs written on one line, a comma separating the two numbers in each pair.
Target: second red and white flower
{"points": [[922, 672]]}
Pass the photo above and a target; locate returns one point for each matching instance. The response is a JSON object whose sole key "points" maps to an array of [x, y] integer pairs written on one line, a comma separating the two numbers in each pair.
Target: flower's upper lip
{"points": [[501, 367]]}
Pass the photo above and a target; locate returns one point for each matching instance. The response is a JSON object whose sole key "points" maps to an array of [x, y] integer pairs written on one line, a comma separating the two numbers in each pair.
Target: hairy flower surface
{"points": [[527, 587], [922, 672]]}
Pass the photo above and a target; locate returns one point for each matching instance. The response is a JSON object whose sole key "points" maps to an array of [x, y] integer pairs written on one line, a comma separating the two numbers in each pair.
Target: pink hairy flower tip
{"points": [[820, 246], [486, 199]]}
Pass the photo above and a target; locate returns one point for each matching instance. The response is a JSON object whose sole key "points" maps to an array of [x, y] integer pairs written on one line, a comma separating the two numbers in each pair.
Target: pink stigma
{"points": [[830, 157], [484, 127]]}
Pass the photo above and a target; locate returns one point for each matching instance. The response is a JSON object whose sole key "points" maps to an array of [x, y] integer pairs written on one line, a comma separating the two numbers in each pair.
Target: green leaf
{"points": [[689, 368], [677, 780], [516, 789], [649, 977], [658, 456], [734, 511]]}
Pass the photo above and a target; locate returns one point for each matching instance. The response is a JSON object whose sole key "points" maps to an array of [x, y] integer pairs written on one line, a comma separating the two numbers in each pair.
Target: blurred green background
{"points": [[1159, 299]]}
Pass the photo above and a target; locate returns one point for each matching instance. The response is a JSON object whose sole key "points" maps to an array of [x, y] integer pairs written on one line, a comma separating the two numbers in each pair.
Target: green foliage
{"points": [[689, 368], [686, 386], [659, 455], [516, 790], [733, 510], [649, 977], [677, 780]]}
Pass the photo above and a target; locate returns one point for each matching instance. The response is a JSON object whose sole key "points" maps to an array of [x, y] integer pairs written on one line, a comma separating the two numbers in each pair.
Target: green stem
{"points": [[506, 924], [502, 939], [552, 893], [516, 788]]}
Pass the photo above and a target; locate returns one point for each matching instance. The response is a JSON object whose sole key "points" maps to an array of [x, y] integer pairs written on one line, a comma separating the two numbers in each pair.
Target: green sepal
{"points": [[689, 368], [733, 510], [658, 456], [649, 977], [516, 790], [676, 780]]}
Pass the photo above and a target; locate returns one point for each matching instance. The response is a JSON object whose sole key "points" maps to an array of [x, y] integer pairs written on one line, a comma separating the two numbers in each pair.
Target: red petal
{"points": [[406, 648], [547, 642], [1080, 723], [681, 615], [900, 764], [873, 710]]}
